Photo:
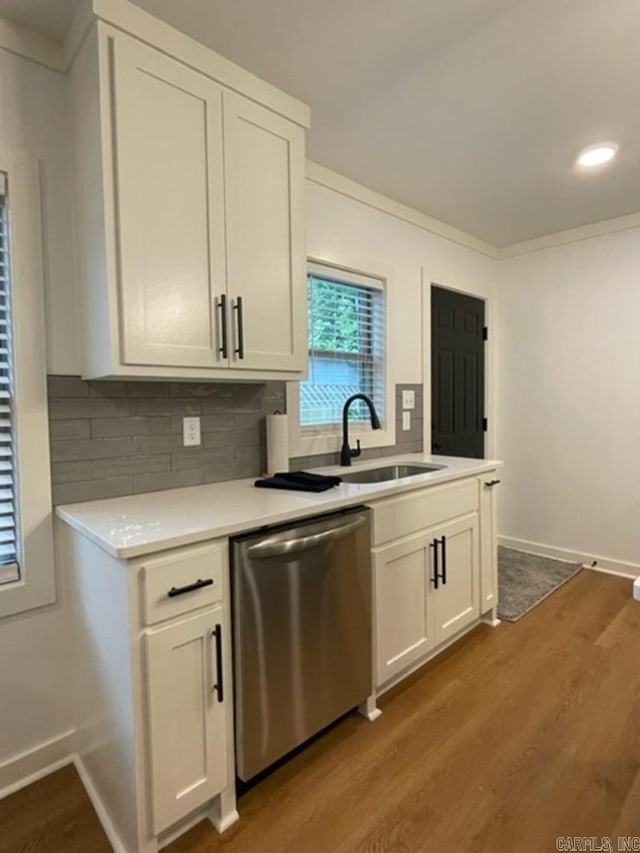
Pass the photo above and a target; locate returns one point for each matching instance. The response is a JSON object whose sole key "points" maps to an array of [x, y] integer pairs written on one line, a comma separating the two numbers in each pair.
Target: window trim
{"points": [[362, 271], [36, 586]]}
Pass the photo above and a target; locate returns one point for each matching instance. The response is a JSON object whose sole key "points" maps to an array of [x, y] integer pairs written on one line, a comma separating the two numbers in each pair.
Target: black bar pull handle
{"points": [[223, 349], [492, 482], [218, 687], [180, 590], [239, 350], [443, 540], [436, 574]]}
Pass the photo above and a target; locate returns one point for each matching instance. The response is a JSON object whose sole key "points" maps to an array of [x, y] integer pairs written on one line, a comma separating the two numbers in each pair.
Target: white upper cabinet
{"points": [[170, 198], [264, 169], [190, 212]]}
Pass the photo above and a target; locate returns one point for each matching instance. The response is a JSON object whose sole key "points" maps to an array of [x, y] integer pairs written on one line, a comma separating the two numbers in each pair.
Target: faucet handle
{"points": [[357, 451]]}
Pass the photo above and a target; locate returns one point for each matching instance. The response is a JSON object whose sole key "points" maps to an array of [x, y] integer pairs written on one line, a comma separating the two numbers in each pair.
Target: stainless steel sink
{"points": [[388, 472]]}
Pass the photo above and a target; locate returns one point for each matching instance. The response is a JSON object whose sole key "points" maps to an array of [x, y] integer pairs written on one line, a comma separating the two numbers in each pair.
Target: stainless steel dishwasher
{"points": [[302, 632]]}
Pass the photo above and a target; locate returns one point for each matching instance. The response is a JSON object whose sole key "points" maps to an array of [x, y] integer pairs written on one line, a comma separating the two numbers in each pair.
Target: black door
{"points": [[457, 374]]}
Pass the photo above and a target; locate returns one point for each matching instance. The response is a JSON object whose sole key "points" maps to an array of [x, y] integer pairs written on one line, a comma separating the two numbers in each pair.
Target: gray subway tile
{"points": [[221, 473], [147, 389], [71, 472], [198, 458], [154, 443], [219, 421], [410, 447], [91, 417], [65, 430], [198, 389], [249, 420], [297, 463], [96, 448], [66, 386], [130, 426], [97, 469], [156, 407], [87, 407], [93, 490], [106, 388], [232, 438], [170, 480], [235, 399]]}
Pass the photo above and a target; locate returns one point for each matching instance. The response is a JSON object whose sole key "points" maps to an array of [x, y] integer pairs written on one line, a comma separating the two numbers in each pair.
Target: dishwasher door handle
{"points": [[277, 547]]}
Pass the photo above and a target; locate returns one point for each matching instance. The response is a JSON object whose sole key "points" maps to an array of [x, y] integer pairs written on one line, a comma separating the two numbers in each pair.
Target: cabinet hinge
{"points": [[485, 333], [485, 425]]}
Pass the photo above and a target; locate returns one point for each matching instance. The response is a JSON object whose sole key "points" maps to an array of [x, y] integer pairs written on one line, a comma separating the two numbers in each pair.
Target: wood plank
{"points": [[53, 815], [512, 737]]}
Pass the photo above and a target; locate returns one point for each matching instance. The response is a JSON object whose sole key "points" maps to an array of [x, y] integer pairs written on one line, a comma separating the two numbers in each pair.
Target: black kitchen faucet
{"points": [[346, 454]]}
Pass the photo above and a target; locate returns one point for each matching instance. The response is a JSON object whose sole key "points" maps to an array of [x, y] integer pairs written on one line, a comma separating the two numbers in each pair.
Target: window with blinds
{"points": [[9, 569], [346, 314]]}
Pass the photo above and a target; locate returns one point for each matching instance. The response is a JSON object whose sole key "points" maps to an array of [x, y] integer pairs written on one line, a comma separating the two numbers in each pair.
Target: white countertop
{"points": [[142, 524]]}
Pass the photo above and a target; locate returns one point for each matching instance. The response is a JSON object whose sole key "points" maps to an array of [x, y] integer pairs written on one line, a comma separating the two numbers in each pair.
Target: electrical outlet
{"points": [[190, 432], [408, 400], [406, 420]]}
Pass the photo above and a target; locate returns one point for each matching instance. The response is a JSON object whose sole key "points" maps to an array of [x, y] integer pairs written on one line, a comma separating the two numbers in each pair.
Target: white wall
{"points": [[339, 227], [569, 390], [34, 652]]}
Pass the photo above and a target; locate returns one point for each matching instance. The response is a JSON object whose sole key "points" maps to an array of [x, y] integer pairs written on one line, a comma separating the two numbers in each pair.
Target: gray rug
{"points": [[524, 580]]}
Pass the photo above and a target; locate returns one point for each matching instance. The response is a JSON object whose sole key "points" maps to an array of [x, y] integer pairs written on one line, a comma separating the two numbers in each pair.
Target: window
{"points": [[9, 570], [27, 566], [346, 347]]}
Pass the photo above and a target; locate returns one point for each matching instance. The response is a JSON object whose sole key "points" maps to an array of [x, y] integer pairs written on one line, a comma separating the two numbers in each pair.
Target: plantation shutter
{"points": [[9, 570], [346, 347]]}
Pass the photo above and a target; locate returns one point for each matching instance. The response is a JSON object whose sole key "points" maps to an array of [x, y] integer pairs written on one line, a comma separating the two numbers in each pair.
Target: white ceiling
{"points": [[50, 18], [469, 111]]}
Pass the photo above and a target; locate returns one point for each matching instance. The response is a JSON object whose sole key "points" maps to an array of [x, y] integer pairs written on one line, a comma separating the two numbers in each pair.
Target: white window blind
{"points": [[346, 316], [9, 570]]}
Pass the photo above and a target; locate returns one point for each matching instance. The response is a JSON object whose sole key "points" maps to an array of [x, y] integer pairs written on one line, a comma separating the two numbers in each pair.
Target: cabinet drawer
{"points": [[181, 581], [415, 511]]}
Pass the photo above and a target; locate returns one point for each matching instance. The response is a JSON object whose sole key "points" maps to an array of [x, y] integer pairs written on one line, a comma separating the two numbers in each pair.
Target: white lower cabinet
{"points": [[455, 600], [187, 714], [437, 578], [404, 629], [154, 688], [426, 592]]}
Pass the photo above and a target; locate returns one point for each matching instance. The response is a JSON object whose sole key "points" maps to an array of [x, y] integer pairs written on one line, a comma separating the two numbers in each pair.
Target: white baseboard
{"points": [[103, 816], [603, 564], [34, 764]]}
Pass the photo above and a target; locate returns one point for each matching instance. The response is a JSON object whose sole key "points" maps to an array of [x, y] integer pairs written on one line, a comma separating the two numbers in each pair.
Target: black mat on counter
{"points": [[299, 481]]}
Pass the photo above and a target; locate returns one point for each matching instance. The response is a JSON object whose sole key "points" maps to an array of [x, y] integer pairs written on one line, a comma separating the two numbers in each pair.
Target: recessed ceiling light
{"points": [[597, 155]]}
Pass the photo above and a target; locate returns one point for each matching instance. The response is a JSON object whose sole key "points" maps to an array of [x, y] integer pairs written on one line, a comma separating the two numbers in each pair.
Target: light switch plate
{"points": [[406, 420], [190, 432], [408, 399]]}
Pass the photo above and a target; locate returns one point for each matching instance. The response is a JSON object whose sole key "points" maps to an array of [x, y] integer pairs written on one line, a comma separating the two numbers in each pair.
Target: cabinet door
{"points": [[264, 206], [169, 207], [488, 543], [455, 603], [186, 713], [404, 630]]}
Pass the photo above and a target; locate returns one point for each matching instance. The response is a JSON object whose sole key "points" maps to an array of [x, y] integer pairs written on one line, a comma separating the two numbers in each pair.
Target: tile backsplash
{"points": [[118, 438], [113, 438]]}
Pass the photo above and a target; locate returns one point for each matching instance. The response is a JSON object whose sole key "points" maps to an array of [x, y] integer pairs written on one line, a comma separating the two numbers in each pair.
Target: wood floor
{"points": [[515, 736]]}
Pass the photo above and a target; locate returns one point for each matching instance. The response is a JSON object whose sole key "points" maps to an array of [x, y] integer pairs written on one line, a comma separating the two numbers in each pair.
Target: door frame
{"points": [[446, 280]]}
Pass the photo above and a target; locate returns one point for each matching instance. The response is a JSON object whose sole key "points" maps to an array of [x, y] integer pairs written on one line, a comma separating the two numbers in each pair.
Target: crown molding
{"points": [[351, 189], [571, 235], [31, 46], [131, 19]]}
